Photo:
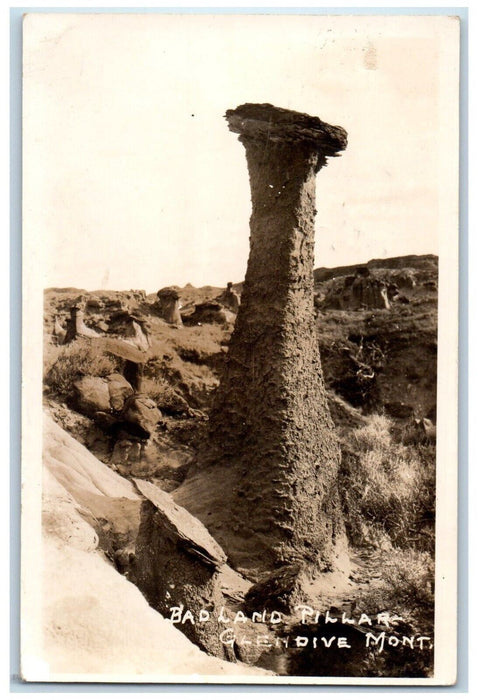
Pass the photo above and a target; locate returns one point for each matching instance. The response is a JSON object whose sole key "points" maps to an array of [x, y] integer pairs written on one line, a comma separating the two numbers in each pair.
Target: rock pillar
{"points": [[168, 304], [133, 373], [71, 326], [230, 298], [265, 485], [76, 326]]}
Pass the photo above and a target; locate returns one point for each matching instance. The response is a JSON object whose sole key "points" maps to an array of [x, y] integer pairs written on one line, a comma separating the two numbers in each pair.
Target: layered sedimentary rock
{"points": [[265, 484], [177, 563], [359, 291]]}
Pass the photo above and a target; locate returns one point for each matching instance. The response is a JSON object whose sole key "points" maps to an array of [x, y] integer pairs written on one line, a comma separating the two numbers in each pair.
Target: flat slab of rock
{"points": [[104, 499], [266, 122], [194, 537], [120, 348]]}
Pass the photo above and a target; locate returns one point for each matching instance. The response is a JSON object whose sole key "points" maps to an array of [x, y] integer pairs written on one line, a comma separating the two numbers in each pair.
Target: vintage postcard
{"points": [[240, 309]]}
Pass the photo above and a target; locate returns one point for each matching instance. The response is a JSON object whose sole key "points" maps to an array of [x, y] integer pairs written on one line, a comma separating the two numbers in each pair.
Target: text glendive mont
{"points": [[309, 616]]}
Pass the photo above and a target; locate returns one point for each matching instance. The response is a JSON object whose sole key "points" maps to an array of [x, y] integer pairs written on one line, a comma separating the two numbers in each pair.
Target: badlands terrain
{"points": [[129, 381]]}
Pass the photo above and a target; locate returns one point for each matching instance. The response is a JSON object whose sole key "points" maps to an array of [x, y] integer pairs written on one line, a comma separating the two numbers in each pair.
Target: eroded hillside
{"points": [[136, 391]]}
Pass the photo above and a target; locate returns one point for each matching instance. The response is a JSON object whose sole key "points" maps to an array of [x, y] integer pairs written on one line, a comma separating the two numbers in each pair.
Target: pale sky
{"points": [[133, 180]]}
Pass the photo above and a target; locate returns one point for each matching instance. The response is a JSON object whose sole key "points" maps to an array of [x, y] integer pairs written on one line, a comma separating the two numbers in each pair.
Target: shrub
{"points": [[406, 585], [387, 489], [193, 382], [73, 361], [375, 435], [409, 578]]}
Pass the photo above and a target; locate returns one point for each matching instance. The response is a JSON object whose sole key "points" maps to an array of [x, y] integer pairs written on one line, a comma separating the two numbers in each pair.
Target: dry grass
{"points": [[409, 578], [63, 365], [201, 342], [406, 588], [388, 489]]}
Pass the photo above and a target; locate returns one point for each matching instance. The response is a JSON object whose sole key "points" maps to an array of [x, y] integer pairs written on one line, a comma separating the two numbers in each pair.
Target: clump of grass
{"points": [[375, 435], [407, 579], [73, 361], [387, 489]]}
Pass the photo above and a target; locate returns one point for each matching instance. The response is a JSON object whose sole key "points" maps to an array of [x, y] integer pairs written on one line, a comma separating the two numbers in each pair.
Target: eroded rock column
{"points": [[76, 326], [168, 303], [265, 485]]}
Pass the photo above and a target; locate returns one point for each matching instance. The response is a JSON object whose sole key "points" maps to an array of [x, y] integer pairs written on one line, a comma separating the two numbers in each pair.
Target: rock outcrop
{"points": [[359, 291], [131, 328], [265, 485], [105, 394], [94, 624], [92, 395], [140, 415], [109, 503], [210, 312], [168, 305], [114, 405], [134, 357], [177, 564], [427, 263], [230, 298], [280, 591], [59, 332], [119, 391], [76, 327]]}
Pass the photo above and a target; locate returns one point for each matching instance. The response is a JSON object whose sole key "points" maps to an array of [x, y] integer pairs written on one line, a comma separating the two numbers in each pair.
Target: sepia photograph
{"points": [[240, 309]]}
